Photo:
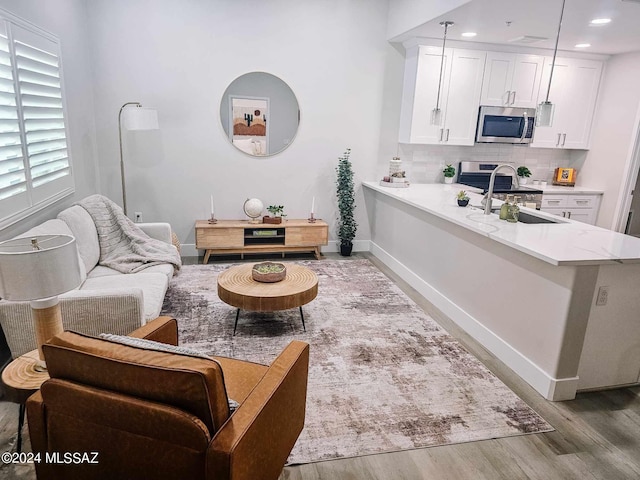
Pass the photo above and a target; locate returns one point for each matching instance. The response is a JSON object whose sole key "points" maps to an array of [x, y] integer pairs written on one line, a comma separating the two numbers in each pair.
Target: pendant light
{"points": [[436, 113], [544, 114]]}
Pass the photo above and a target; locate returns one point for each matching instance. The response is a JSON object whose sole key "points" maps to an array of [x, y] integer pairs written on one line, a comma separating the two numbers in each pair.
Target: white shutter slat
{"points": [[46, 146], [6, 73], [38, 67], [45, 135], [52, 156], [27, 88], [7, 99], [6, 84], [38, 124], [49, 168], [9, 125], [11, 166], [38, 101], [40, 112], [39, 78], [8, 113], [12, 190]]}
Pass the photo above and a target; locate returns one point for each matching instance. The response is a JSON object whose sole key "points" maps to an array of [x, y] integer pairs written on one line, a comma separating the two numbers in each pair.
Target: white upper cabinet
{"points": [[574, 91], [511, 80], [459, 95]]}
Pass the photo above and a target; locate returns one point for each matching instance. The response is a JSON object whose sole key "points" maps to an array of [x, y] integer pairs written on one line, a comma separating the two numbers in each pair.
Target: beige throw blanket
{"points": [[123, 245]]}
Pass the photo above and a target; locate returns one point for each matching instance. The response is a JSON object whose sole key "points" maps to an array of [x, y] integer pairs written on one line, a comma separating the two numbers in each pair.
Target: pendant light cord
{"points": [[444, 41], [555, 51]]}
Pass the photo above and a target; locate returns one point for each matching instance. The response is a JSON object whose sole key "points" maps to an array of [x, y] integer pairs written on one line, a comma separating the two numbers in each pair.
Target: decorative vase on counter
{"points": [[448, 180], [522, 180], [463, 203]]}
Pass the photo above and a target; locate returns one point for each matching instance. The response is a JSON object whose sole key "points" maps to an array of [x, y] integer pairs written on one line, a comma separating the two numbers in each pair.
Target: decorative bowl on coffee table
{"points": [[268, 272]]}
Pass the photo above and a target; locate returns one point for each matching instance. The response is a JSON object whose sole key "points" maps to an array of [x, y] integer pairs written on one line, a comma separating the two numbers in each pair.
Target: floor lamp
{"points": [[38, 269], [136, 118]]}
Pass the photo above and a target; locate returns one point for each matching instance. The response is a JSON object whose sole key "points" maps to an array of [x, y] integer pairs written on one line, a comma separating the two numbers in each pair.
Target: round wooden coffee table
{"points": [[238, 289]]}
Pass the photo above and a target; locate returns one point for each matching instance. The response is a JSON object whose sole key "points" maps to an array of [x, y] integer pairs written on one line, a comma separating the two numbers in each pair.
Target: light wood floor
{"points": [[597, 436]]}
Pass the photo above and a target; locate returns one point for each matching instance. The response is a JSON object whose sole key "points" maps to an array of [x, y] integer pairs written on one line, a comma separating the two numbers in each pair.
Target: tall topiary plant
{"points": [[347, 225]]}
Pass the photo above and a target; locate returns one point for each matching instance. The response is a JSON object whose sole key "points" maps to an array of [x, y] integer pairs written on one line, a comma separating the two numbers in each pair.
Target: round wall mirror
{"points": [[259, 114]]}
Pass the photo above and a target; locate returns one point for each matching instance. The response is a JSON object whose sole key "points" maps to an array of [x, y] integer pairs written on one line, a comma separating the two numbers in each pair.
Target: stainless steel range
{"points": [[477, 174]]}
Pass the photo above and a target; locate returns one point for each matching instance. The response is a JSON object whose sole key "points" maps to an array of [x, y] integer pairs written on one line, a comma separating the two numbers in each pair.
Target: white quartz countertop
{"points": [[565, 243]]}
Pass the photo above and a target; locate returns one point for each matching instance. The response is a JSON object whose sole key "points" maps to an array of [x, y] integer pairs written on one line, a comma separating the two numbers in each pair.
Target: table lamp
{"points": [[38, 269]]}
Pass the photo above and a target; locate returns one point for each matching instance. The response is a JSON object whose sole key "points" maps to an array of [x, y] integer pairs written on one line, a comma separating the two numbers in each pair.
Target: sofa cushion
{"points": [[197, 384], [83, 228], [55, 227], [153, 286], [102, 271]]}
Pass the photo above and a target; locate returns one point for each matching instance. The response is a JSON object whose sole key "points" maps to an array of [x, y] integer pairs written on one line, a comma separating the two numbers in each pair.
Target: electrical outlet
{"points": [[603, 296], [138, 217]]}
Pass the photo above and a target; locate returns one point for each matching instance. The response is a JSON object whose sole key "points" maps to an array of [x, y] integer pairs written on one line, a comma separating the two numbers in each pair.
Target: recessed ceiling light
{"points": [[469, 34], [600, 21], [583, 45]]}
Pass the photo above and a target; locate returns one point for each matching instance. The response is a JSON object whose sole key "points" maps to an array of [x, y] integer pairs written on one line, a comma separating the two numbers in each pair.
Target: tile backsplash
{"points": [[424, 163]]}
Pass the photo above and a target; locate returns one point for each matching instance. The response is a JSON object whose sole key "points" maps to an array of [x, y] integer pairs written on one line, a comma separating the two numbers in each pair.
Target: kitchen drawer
{"points": [[582, 201], [554, 201]]}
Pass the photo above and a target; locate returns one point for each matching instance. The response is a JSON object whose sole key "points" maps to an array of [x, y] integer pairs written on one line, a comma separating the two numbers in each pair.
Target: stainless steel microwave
{"points": [[505, 125]]}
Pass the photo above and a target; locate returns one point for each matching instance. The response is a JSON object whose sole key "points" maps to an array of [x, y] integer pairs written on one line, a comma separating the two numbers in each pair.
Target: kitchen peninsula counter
{"points": [[566, 242], [527, 292]]}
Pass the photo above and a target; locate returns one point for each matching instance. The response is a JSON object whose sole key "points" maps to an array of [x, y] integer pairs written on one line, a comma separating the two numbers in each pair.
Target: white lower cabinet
{"points": [[582, 208]]}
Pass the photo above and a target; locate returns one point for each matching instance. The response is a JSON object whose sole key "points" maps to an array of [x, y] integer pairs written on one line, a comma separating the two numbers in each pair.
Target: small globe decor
{"points": [[268, 272], [253, 209]]}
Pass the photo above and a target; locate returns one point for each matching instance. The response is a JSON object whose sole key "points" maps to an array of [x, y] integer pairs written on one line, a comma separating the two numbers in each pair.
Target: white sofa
{"points": [[106, 301]]}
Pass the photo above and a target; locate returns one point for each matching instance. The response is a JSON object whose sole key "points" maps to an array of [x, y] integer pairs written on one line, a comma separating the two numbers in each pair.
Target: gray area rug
{"points": [[383, 375]]}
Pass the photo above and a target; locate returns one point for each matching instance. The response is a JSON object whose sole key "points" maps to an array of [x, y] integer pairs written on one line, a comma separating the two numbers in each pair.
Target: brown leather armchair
{"points": [[158, 415]]}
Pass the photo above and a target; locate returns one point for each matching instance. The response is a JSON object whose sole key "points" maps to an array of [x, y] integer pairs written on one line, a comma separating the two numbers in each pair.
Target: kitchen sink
{"points": [[528, 218], [524, 217]]}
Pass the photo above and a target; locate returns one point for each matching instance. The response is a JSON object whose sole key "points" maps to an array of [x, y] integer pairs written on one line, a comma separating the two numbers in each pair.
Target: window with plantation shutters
{"points": [[35, 168]]}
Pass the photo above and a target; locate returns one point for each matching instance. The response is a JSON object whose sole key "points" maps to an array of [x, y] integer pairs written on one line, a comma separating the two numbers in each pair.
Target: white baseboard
{"points": [[189, 249], [555, 389]]}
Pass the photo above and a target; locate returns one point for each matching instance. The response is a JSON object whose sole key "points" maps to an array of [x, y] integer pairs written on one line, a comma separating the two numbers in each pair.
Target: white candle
{"points": [[313, 205], [212, 206]]}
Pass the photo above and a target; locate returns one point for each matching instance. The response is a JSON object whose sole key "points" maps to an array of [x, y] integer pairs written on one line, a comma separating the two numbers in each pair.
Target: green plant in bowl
{"points": [[449, 171], [462, 195], [524, 172]]}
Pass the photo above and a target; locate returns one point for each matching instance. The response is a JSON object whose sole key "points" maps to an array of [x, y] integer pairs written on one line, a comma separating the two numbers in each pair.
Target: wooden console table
{"points": [[240, 236]]}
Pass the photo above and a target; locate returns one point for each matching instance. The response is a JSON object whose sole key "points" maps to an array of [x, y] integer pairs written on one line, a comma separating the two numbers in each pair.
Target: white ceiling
{"points": [[540, 18]]}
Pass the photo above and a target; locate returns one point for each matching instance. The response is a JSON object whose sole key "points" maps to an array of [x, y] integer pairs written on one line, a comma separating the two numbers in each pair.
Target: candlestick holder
{"points": [[213, 219], [311, 218]]}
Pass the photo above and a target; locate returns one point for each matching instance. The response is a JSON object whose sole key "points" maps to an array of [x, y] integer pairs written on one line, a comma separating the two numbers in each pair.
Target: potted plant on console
{"points": [[449, 172], [346, 204], [523, 174], [276, 211]]}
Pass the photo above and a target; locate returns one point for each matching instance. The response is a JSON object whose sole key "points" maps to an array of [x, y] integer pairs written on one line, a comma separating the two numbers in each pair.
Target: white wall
{"points": [[179, 57], [404, 15], [67, 20], [614, 130]]}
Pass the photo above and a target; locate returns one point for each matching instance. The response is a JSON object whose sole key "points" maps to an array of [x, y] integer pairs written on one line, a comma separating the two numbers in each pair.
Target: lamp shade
{"points": [[38, 267], [140, 118]]}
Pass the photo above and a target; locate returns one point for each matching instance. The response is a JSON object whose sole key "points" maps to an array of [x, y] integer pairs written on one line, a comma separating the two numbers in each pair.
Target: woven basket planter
{"points": [[270, 276]]}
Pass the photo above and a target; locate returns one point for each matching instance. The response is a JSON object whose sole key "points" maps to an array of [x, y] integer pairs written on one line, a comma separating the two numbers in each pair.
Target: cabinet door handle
{"points": [[564, 214], [514, 98], [447, 137], [568, 214], [553, 201], [441, 133], [582, 202], [506, 102], [564, 138], [558, 142]]}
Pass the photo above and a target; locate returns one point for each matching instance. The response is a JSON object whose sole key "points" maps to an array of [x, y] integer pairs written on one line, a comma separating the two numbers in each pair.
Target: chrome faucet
{"points": [[492, 180]]}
